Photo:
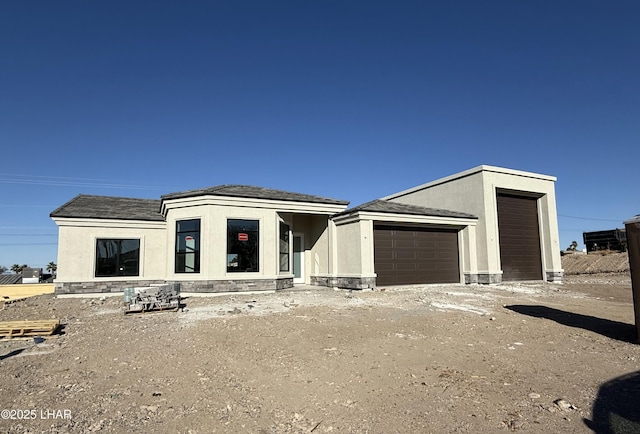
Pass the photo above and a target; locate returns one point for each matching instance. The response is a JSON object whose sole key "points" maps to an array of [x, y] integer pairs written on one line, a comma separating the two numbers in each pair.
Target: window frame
{"points": [[120, 261], [233, 247], [284, 242], [180, 256]]}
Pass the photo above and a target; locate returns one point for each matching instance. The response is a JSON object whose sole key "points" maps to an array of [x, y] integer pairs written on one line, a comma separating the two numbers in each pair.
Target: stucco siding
{"points": [[77, 249], [213, 242], [466, 194], [475, 192], [349, 249]]}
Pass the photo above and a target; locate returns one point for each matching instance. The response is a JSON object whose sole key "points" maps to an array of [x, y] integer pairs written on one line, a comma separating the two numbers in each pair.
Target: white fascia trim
{"points": [[632, 220], [109, 223], [482, 168], [405, 218], [277, 205]]}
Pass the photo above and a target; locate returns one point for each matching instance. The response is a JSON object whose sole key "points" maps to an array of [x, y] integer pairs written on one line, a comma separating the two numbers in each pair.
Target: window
{"points": [[242, 245], [284, 246], [117, 257], [188, 246]]}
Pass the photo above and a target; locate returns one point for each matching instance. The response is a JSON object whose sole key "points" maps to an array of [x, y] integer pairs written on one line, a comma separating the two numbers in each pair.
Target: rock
{"points": [[564, 405], [534, 395]]}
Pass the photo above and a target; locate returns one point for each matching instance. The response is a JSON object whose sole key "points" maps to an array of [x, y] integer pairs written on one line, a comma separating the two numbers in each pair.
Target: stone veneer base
{"points": [[344, 282], [487, 278], [555, 276], [198, 286], [483, 278]]}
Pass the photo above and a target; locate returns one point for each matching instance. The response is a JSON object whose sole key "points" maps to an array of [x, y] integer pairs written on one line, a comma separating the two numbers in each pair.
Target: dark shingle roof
{"points": [[249, 191], [108, 207], [10, 279], [384, 206]]}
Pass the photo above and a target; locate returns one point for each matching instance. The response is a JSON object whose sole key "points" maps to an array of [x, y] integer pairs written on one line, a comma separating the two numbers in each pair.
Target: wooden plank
{"points": [[9, 329]]}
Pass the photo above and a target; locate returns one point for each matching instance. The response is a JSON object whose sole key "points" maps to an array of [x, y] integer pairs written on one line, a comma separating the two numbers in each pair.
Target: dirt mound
{"points": [[527, 356], [594, 263]]}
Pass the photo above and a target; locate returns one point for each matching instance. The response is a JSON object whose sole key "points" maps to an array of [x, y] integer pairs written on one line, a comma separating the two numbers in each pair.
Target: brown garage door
{"points": [[411, 255], [519, 237]]}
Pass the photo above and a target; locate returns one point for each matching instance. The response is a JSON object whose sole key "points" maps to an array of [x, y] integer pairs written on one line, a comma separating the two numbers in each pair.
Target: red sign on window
{"points": [[243, 237]]}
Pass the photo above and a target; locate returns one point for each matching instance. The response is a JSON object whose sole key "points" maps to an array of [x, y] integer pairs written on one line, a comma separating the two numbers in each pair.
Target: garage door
{"points": [[411, 255], [519, 237]]}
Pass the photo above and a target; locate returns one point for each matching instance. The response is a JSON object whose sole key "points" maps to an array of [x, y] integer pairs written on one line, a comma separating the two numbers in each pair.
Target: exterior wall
{"points": [[467, 195], [77, 244], [355, 246], [632, 227], [467, 245], [213, 242], [354, 253], [77, 247], [316, 245], [349, 247], [475, 192]]}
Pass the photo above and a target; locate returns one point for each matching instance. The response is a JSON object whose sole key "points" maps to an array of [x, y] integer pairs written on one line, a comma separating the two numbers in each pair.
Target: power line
{"points": [[589, 218], [28, 206], [62, 181], [25, 227], [28, 235], [28, 244]]}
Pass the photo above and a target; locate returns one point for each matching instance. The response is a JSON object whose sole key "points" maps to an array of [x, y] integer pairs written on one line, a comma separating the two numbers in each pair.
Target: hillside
{"points": [[593, 263]]}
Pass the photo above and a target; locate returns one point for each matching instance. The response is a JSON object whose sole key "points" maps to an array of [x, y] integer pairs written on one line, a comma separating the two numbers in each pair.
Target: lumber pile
{"points": [[11, 329]]}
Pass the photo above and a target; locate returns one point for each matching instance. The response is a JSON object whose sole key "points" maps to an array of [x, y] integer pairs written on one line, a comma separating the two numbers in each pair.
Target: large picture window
{"points": [[242, 245], [188, 246], [284, 246], [115, 257]]}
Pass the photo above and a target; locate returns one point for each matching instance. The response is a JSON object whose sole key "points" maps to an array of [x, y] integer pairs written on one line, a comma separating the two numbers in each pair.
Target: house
{"points": [[516, 235], [484, 225], [10, 279], [612, 239]]}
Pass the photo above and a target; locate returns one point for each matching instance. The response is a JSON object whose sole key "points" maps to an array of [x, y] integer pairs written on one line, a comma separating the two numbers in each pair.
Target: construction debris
{"points": [[152, 298], [11, 329]]}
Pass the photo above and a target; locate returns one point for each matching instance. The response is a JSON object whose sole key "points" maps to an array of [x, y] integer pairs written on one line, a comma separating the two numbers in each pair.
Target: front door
{"points": [[298, 258]]}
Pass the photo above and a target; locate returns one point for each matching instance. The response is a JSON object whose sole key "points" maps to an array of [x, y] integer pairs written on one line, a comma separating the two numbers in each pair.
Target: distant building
{"points": [[31, 275], [10, 279], [613, 239]]}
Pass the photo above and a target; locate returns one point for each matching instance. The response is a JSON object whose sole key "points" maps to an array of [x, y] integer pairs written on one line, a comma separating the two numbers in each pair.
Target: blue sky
{"points": [[347, 99]]}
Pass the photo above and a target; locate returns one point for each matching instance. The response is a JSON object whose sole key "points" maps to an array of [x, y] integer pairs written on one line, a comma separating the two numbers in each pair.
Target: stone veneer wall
{"points": [[555, 276], [344, 282], [470, 278], [483, 278], [214, 286], [100, 287], [206, 286], [487, 279]]}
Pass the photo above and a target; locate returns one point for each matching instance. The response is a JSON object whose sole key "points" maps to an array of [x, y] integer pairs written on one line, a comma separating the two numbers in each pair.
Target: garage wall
{"points": [[354, 267], [519, 231], [474, 191], [406, 255], [466, 194]]}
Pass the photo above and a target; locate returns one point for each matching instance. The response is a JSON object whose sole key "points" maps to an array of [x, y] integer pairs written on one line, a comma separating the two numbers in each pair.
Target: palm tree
{"points": [[52, 267], [17, 268]]}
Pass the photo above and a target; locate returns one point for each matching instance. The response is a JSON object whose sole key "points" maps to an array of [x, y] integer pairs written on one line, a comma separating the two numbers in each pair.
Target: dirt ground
{"points": [[530, 357]]}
